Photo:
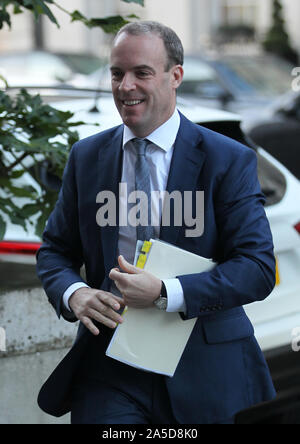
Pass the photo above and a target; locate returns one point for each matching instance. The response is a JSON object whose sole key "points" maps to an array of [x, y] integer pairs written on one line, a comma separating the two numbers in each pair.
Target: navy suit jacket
{"points": [[222, 370]]}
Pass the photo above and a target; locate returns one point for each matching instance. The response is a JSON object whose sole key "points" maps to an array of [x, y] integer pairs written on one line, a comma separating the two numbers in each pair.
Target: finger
{"points": [[108, 319], [120, 279], [110, 300], [114, 274], [106, 311], [90, 325], [117, 302], [121, 302], [127, 267]]}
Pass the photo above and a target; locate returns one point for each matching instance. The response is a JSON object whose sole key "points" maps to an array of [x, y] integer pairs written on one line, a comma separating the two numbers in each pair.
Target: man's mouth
{"points": [[131, 102]]}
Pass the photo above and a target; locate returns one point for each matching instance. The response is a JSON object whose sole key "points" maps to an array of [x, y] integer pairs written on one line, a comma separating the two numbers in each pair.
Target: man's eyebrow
{"points": [[147, 67], [112, 68]]}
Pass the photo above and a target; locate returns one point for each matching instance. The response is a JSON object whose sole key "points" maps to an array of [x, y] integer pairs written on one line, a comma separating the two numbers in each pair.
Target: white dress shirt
{"points": [[159, 155]]}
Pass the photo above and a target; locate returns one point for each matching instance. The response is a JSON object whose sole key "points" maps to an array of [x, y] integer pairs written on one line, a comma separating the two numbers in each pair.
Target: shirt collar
{"points": [[164, 136]]}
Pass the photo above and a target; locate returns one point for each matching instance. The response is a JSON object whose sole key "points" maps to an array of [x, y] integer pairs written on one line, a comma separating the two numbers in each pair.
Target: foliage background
{"points": [[277, 40], [34, 136]]}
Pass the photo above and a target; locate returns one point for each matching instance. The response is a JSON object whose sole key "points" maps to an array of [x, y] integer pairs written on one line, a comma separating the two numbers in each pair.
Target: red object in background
{"points": [[30, 248]]}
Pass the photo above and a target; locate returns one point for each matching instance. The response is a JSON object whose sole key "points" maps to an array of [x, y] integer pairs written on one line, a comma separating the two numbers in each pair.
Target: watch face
{"points": [[161, 303]]}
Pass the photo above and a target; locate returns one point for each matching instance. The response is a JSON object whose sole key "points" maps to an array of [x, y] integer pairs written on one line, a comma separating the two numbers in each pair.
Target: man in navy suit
{"points": [[222, 369]]}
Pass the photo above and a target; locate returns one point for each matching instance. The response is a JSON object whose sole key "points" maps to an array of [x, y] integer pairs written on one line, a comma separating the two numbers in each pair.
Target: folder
{"points": [[151, 339]]}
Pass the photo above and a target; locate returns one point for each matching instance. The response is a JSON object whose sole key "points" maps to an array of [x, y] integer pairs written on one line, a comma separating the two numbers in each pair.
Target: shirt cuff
{"points": [[69, 291], [176, 301]]}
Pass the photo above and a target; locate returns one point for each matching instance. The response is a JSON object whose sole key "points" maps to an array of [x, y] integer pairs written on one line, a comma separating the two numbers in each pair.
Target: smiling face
{"points": [[144, 92]]}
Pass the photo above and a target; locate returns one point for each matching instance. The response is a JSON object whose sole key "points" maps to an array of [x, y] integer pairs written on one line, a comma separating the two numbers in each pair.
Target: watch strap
{"points": [[163, 291]]}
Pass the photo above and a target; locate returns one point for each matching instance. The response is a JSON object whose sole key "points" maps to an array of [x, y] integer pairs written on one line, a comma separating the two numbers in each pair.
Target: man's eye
{"points": [[116, 74], [142, 73]]}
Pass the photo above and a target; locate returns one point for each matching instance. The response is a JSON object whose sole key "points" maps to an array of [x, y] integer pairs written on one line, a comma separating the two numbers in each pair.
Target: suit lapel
{"points": [[187, 162], [110, 172]]}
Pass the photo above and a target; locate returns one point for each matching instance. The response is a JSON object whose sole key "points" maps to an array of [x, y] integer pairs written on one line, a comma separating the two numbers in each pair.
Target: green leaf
{"points": [[29, 127], [41, 223], [31, 209], [2, 228], [132, 16], [17, 174], [23, 192], [17, 220], [40, 7], [17, 9], [4, 15], [4, 182], [37, 7], [77, 16], [109, 25]]}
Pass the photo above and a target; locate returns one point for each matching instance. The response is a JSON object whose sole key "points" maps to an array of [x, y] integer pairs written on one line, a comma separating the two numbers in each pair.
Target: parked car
{"points": [[277, 130], [29, 68], [233, 83], [275, 318]]}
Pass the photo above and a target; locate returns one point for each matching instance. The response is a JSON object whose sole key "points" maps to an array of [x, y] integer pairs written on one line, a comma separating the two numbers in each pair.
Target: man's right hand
{"points": [[89, 304]]}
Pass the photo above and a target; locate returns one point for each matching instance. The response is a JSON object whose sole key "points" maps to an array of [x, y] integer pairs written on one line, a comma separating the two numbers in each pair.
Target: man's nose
{"points": [[128, 82]]}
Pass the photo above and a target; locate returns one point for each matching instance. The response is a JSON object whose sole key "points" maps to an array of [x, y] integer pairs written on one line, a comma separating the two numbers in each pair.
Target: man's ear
{"points": [[177, 75]]}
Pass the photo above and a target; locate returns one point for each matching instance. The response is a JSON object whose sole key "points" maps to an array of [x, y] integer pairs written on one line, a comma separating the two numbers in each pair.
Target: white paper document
{"points": [[151, 339]]}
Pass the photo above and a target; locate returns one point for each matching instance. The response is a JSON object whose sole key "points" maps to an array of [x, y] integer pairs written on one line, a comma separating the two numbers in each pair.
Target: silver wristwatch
{"points": [[162, 301]]}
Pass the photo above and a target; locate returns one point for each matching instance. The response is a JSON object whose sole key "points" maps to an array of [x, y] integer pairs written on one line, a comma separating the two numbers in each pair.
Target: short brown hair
{"points": [[172, 42]]}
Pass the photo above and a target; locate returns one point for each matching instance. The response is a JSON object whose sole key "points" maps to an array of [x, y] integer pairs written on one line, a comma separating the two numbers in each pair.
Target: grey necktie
{"points": [[142, 183]]}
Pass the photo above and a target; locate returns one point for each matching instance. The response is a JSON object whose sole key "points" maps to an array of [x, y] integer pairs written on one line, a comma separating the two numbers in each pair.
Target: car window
{"points": [[201, 79], [267, 76], [37, 67], [82, 63], [48, 65], [272, 181]]}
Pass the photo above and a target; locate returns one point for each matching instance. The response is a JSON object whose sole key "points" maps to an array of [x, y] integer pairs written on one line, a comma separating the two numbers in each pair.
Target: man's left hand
{"points": [[138, 287]]}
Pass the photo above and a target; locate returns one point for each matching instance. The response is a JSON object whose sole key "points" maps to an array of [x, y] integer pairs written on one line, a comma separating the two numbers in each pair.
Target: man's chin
{"points": [[134, 124]]}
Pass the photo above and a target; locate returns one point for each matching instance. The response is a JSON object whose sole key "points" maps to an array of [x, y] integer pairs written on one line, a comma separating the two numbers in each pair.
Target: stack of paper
{"points": [[151, 339]]}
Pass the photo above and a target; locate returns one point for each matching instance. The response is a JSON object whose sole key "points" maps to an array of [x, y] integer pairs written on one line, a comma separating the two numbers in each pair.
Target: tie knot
{"points": [[140, 146]]}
